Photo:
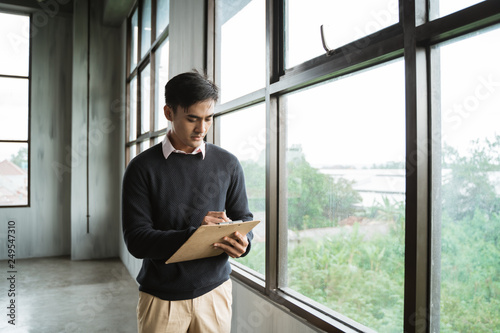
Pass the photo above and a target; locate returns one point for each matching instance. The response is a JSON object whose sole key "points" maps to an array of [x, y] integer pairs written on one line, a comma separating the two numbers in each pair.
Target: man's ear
{"points": [[169, 113]]}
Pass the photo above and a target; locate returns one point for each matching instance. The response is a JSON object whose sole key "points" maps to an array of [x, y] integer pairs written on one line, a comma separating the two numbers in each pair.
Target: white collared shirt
{"points": [[168, 148]]}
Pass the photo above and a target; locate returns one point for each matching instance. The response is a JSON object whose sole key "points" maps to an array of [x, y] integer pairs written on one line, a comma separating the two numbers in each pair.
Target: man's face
{"points": [[190, 126]]}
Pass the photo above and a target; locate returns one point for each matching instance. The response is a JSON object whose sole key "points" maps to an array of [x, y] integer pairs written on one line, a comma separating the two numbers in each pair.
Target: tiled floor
{"points": [[55, 295]]}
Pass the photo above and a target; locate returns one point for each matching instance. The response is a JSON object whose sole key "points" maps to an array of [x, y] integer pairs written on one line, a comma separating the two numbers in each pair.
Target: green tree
{"points": [[469, 187], [255, 181], [20, 158], [315, 199], [470, 249]]}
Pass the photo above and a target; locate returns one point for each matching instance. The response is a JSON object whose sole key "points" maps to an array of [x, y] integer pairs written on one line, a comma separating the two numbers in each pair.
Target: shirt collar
{"points": [[168, 148]]}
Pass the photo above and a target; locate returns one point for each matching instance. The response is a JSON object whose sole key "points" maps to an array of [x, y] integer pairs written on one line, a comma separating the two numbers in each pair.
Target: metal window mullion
{"points": [[153, 108], [127, 86], [139, 32], [278, 229], [273, 202], [141, 64], [138, 110], [217, 45], [416, 291], [210, 62], [436, 167], [273, 48], [476, 17], [30, 84], [210, 47], [154, 14]]}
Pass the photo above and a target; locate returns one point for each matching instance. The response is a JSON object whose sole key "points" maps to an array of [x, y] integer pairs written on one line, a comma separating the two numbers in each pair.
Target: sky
{"points": [[470, 88], [330, 113], [359, 120]]}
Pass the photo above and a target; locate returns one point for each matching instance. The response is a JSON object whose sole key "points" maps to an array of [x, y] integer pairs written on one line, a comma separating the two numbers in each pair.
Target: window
{"points": [[467, 215], [240, 74], [14, 109], [442, 8], [248, 144], [242, 47], [148, 47], [342, 21], [345, 197], [380, 172]]}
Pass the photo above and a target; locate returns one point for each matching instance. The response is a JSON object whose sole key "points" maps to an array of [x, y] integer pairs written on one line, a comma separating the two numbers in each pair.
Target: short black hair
{"points": [[189, 88]]}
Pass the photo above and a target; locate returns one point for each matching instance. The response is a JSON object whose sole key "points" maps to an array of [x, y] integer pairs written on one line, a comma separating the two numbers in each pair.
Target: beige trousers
{"points": [[210, 312]]}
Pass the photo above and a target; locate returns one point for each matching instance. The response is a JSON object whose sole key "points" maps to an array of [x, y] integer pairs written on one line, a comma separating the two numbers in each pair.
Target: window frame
{"points": [[149, 59], [28, 140], [411, 38]]}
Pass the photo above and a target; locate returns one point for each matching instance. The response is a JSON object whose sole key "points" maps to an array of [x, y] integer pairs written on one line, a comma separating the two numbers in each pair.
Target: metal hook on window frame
{"points": [[328, 50]]}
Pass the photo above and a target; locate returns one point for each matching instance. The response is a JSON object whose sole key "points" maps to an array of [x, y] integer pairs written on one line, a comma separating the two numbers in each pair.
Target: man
{"points": [[170, 190]]}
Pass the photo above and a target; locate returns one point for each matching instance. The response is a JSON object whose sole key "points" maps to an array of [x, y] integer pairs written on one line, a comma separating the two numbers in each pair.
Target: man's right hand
{"points": [[215, 218]]}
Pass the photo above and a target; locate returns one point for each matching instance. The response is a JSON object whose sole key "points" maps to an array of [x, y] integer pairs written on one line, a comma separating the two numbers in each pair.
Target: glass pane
{"points": [[133, 110], [248, 143], [145, 100], [343, 21], [13, 174], [14, 108], [162, 15], [132, 152], [159, 139], [161, 81], [470, 184], [345, 171], [145, 27], [243, 43], [134, 40], [15, 44], [445, 7], [144, 145]]}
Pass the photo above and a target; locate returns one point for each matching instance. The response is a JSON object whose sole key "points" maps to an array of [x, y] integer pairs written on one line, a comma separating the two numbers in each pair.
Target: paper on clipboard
{"points": [[200, 244]]}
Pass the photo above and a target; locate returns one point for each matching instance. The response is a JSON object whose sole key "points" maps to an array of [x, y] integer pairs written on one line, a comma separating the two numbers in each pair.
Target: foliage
{"points": [[470, 274], [387, 210], [256, 258], [21, 158], [362, 277], [358, 278], [470, 248], [255, 181], [316, 200], [469, 187]]}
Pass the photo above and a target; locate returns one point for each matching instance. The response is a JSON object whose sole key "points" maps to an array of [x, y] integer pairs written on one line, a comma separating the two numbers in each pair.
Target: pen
{"points": [[230, 222]]}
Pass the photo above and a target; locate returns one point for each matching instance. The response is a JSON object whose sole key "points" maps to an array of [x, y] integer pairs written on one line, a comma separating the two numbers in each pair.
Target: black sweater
{"points": [[164, 201]]}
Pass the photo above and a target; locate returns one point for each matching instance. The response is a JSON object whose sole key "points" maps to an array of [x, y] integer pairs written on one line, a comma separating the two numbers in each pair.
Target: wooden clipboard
{"points": [[200, 244]]}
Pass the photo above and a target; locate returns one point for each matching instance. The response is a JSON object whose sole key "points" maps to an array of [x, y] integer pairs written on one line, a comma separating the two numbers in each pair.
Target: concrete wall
{"points": [[97, 135], [43, 229], [187, 36], [56, 222]]}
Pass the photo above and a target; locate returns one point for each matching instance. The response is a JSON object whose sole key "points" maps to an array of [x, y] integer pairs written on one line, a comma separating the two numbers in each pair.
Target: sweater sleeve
{"points": [[237, 201], [141, 238]]}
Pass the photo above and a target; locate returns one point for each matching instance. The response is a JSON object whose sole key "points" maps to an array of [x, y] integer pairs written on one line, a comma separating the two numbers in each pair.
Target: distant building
{"points": [[13, 184]]}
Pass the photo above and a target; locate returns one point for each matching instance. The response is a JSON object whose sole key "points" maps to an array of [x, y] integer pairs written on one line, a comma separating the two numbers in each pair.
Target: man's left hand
{"points": [[235, 245]]}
